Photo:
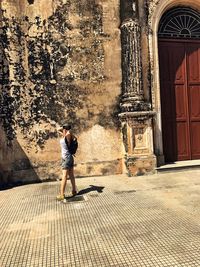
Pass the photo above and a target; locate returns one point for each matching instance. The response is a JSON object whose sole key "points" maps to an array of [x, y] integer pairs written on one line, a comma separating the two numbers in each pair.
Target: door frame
{"points": [[156, 12]]}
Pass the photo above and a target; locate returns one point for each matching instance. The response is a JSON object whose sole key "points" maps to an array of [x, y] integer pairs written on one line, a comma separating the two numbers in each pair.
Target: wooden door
{"points": [[180, 99], [193, 75]]}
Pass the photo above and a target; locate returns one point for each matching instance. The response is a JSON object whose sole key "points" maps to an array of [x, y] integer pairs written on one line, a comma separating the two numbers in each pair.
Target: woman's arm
{"points": [[69, 138]]}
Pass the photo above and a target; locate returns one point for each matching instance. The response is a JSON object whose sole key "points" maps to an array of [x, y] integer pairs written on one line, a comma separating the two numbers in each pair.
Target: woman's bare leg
{"points": [[63, 182], [72, 178]]}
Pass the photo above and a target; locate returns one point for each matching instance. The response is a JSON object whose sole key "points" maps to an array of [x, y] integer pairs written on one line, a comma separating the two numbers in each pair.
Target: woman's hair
{"points": [[67, 127]]}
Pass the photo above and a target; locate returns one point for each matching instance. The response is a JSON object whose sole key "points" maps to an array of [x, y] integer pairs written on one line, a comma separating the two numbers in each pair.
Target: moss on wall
{"points": [[60, 68], [53, 71]]}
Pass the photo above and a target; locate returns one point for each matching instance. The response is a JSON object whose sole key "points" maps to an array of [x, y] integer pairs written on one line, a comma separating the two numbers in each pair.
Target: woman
{"points": [[67, 162]]}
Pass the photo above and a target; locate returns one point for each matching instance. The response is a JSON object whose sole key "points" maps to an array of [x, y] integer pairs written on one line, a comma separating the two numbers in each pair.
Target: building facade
{"points": [[125, 74]]}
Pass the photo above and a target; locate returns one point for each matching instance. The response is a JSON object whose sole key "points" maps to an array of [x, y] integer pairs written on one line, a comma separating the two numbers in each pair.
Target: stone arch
{"points": [[157, 10]]}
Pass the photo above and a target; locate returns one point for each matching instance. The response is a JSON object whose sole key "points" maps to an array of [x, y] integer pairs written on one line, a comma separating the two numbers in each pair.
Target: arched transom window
{"points": [[180, 22]]}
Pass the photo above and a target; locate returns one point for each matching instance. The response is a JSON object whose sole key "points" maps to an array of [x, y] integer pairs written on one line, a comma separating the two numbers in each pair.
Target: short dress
{"points": [[67, 161]]}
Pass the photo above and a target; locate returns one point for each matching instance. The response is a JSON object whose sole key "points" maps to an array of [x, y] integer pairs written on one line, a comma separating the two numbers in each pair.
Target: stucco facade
{"points": [[93, 64], [60, 62]]}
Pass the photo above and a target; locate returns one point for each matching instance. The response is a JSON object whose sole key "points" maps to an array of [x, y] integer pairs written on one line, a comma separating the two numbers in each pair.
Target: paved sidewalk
{"points": [[116, 221]]}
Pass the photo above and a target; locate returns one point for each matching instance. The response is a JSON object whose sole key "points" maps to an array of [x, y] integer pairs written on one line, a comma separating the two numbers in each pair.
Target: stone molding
{"points": [[137, 116], [131, 105]]}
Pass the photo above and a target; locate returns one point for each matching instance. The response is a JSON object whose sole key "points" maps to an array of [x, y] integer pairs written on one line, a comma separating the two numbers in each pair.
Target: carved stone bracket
{"points": [[138, 142], [138, 132]]}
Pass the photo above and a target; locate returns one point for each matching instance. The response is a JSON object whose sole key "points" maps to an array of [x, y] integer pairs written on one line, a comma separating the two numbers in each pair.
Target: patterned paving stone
{"points": [[112, 228]]}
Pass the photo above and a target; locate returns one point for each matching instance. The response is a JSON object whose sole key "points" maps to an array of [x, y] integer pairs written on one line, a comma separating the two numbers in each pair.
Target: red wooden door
{"points": [[180, 99], [193, 67]]}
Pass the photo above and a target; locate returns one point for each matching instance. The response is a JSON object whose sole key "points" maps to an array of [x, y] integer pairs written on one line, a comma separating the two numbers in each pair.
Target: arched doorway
{"points": [[179, 61]]}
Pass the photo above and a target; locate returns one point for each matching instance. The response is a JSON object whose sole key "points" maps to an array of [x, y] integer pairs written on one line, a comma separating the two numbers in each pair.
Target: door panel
{"points": [[193, 66], [195, 140], [182, 141], [182, 136], [177, 63], [175, 119], [194, 94], [181, 99], [193, 60]]}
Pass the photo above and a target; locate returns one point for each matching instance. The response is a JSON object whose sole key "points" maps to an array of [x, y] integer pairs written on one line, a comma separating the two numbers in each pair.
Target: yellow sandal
{"points": [[60, 197]]}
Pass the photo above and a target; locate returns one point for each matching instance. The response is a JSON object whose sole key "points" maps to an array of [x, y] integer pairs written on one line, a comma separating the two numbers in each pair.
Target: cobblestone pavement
{"points": [[115, 221]]}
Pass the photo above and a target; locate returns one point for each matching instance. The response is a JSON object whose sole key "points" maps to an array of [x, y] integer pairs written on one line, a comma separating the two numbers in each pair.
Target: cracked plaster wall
{"points": [[60, 61]]}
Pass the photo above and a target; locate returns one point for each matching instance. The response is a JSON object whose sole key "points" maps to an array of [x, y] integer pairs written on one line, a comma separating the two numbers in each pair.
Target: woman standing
{"points": [[67, 161]]}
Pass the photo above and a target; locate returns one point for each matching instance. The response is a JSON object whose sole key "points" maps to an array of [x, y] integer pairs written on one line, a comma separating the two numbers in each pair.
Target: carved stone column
{"points": [[136, 114], [131, 61]]}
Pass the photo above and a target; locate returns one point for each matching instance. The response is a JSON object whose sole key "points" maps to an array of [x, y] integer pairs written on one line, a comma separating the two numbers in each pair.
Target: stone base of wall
{"points": [[141, 165], [99, 168], [51, 171]]}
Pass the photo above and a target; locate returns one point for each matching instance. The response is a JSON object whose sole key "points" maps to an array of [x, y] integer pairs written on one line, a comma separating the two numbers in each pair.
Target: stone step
{"points": [[179, 166]]}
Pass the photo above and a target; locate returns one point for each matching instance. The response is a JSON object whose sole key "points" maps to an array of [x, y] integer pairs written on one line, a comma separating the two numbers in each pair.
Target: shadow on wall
{"points": [[15, 167]]}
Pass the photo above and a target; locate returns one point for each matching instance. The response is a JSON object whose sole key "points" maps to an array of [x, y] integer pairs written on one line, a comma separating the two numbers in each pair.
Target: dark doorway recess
{"points": [[179, 62], [31, 2]]}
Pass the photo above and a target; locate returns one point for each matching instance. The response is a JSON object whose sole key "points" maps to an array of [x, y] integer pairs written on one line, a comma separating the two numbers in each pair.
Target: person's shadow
{"points": [[99, 189]]}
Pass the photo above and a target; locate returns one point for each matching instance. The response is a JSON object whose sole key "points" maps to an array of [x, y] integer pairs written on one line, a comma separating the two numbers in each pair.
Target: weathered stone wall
{"points": [[61, 63]]}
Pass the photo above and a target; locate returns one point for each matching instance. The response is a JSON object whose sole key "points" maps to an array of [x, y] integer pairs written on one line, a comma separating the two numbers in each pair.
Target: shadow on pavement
{"points": [[99, 189]]}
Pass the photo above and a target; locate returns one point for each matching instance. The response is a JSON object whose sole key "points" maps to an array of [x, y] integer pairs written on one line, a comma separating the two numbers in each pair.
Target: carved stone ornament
{"points": [[131, 105], [152, 4]]}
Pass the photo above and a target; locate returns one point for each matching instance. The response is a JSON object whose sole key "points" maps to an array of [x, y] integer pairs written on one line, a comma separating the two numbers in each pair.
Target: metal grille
{"points": [[180, 23]]}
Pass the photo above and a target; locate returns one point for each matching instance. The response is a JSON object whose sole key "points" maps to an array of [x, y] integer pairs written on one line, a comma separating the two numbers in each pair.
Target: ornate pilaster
{"points": [[136, 114], [131, 60], [132, 82]]}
